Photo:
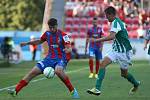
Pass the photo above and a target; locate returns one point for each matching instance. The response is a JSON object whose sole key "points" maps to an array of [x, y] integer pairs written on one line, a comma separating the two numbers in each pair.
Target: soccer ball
{"points": [[49, 72]]}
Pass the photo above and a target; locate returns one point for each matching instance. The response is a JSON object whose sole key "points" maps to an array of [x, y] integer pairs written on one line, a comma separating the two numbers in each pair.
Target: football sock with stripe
{"points": [[101, 75]]}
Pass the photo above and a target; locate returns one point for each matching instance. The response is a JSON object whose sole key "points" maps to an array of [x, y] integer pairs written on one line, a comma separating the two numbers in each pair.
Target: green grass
{"points": [[114, 86]]}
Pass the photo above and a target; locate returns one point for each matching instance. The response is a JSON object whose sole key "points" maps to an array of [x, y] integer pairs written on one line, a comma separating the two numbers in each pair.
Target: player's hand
{"points": [[23, 44], [92, 40], [67, 50], [145, 47]]}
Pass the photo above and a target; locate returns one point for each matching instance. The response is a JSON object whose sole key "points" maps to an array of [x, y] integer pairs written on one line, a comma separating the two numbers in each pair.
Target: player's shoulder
{"points": [[46, 32], [62, 32]]}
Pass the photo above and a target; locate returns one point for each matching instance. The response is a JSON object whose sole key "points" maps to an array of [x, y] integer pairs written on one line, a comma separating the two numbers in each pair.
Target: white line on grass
{"points": [[74, 71]]}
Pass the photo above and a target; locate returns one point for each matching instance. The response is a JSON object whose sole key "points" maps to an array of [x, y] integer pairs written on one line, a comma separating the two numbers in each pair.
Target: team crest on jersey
{"points": [[66, 38]]}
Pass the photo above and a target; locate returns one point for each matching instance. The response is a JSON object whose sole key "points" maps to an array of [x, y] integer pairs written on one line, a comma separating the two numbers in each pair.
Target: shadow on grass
{"points": [[4, 64]]}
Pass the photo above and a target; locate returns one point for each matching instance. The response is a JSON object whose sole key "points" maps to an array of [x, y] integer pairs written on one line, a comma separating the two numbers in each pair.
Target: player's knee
{"points": [[58, 71], [124, 75], [102, 65]]}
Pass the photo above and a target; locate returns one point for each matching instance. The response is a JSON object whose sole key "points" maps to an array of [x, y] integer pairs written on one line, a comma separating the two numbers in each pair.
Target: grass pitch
{"points": [[114, 86]]}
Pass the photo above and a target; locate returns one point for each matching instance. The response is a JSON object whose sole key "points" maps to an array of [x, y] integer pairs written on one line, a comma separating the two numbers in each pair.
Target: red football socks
{"points": [[97, 66], [91, 65], [20, 85], [68, 84]]}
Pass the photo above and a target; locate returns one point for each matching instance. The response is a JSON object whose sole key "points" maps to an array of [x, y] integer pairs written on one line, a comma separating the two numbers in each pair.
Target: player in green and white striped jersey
{"points": [[121, 52], [147, 39]]}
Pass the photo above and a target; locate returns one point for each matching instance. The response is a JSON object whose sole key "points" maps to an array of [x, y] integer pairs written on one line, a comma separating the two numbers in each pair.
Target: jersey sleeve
{"points": [[66, 39], [115, 27], [43, 37]]}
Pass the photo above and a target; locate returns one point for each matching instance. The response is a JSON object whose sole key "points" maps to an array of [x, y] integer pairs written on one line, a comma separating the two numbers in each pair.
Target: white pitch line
{"points": [[74, 71]]}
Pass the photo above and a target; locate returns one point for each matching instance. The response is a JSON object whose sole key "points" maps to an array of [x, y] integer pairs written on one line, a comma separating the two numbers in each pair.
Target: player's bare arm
{"points": [[35, 42], [111, 36], [146, 42]]}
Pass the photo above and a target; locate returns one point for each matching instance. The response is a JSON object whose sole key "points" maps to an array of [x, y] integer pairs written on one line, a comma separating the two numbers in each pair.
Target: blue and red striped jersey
{"points": [[56, 43], [95, 32]]}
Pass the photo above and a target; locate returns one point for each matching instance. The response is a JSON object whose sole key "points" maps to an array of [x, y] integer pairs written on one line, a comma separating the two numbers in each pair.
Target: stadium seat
{"points": [[83, 21], [83, 29], [135, 27], [68, 28], [104, 21], [135, 20], [76, 20], [90, 20], [133, 34], [128, 21], [68, 21], [75, 28], [69, 13]]}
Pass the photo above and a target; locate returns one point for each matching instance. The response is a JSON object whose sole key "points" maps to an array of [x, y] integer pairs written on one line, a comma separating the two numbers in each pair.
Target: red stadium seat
{"points": [[128, 21], [83, 29], [69, 13], [104, 21], [129, 27], [83, 21], [91, 13], [90, 20], [68, 28], [75, 28], [76, 20], [135, 27], [133, 34], [135, 21], [68, 21]]}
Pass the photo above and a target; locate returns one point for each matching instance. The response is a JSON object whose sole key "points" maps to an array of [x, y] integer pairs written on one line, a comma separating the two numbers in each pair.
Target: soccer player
{"points": [[58, 57], [147, 39], [121, 52], [95, 48]]}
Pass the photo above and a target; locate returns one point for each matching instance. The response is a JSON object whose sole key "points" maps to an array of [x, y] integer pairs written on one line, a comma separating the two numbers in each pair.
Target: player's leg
{"points": [[131, 79], [125, 60], [25, 80], [91, 62], [97, 89], [108, 59], [98, 55], [59, 71]]}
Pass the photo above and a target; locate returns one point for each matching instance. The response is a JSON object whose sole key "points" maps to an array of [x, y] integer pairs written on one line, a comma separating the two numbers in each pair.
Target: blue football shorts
{"points": [[48, 62], [95, 52]]}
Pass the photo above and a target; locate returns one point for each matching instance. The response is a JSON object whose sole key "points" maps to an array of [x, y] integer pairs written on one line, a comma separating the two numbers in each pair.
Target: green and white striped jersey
{"points": [[147, 37], [121, 42]]}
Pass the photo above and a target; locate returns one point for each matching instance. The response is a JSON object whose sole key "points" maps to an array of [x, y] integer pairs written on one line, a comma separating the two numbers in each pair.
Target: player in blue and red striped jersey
{"points": [[95, 48], [58, 56]]}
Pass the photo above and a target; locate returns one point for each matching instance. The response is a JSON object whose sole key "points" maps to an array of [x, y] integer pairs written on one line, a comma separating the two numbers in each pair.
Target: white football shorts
{"points": [[123, 59]]}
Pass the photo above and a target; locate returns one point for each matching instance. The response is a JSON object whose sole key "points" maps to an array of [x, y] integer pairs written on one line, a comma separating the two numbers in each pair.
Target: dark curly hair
{"points": [[52, 22]]}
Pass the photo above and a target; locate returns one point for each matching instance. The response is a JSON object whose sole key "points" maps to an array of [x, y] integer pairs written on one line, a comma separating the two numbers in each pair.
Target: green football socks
{"points": [[101, 75], [132, 80]]}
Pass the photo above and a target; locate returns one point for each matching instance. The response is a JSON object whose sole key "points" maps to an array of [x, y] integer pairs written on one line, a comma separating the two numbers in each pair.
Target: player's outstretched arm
{"points": [[145, 44], [111, 36], [35, 42]]}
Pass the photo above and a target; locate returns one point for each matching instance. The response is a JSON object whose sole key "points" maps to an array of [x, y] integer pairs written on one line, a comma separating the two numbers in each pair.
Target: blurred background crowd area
{"points": [[79, 14]]}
